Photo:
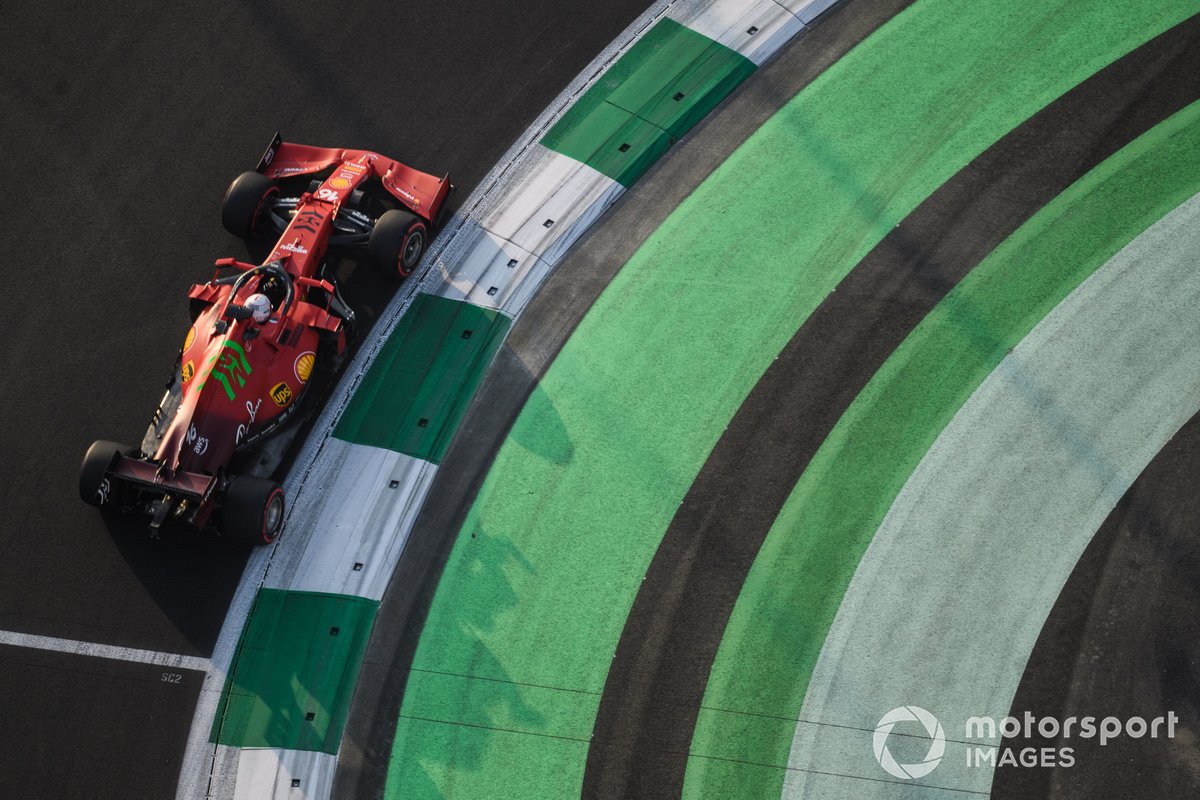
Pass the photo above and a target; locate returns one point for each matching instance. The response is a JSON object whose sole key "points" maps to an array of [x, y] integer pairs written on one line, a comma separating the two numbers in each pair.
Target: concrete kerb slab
{"points": [[755, 28], [293, 774], [352, 522], [552, 201], [490, 271]]}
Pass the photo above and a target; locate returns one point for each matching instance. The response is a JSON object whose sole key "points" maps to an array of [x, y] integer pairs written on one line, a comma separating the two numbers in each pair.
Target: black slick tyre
{"points": [[95, 487], [244, 209], [253, 510], [397, 243]]}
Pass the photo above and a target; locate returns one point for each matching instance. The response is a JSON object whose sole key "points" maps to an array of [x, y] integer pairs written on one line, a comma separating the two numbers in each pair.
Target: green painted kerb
{"points": [[649, 98], [295, 671], [417, 391]]}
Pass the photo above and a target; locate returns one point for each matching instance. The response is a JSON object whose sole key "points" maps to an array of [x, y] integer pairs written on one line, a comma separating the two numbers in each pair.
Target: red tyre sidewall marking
{"points": [[277, 492]]}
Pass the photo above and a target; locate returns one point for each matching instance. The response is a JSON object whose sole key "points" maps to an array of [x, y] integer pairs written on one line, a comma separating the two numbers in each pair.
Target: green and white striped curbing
{"points": [[352, 505]]}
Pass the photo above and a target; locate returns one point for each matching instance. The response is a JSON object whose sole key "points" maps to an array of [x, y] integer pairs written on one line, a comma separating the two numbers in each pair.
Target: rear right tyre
{"points": [[253, 510]]}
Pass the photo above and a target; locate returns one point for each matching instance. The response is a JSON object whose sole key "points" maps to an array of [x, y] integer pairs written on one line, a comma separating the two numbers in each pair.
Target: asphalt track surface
{"points": [[1097, 655], [122, 127]]}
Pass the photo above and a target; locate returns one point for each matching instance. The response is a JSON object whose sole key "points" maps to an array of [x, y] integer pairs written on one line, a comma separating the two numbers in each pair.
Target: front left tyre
{"points": [[253, 510], [245, 209], [95, 487]]}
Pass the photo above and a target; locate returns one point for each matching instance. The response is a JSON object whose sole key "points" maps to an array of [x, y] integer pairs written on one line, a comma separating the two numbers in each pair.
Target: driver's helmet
{"points": [[260, 305]]}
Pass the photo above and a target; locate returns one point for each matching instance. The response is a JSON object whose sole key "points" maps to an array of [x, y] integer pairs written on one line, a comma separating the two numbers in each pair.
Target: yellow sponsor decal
{"points": [[191, 337], [189, 369], [304, 366], [281, 393], [340, 183]]}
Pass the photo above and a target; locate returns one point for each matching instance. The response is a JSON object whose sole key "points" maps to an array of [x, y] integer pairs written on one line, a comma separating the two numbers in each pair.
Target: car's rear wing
{"points": [[420, 192], [147, 475]]}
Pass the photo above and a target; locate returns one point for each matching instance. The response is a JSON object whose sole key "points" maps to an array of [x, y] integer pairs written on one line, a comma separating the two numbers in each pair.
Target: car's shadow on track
{"points": [[190, 574]]}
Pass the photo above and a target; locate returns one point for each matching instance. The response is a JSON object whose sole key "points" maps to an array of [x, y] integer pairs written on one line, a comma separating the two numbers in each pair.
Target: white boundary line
{"points": [[107, 651]]}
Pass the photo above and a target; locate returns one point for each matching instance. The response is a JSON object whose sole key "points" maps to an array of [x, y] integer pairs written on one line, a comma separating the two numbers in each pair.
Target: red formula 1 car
{"points": [[261, 334]]}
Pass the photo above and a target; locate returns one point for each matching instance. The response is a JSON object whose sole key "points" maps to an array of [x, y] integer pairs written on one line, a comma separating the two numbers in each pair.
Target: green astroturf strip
{"points": [[300, 654], [418, 388], [541, 578], [667, 82], [796, 585]]}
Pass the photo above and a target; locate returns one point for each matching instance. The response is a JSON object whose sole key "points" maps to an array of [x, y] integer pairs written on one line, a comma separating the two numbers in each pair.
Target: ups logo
{"points": [[281, 393], [188, 370]]}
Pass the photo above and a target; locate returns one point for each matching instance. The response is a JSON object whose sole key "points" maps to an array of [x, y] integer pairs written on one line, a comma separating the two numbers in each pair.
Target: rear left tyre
{"points": [[245, 209], [253, 510], [96, 488]]}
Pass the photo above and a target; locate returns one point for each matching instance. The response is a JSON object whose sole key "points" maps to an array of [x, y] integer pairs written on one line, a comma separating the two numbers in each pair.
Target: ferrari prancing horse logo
{"points": [[232, 369]]}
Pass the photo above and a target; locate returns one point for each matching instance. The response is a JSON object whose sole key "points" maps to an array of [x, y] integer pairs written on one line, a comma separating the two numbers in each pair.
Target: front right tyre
{"points": [[245, 209], [397, 243]]}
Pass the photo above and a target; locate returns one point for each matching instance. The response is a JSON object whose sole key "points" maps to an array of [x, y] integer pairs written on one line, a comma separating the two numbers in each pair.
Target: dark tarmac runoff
{"points": [[1122, 640], [122, 127]]}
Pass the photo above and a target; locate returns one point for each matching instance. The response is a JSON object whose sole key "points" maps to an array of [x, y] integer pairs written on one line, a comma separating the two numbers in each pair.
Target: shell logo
{"points": [[191, 337], [304, 366], [340, 183]]}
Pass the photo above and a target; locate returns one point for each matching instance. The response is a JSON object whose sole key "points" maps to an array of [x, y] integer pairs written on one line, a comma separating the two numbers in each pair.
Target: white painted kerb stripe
{"points": [[754, 28], [346, 531], [108, 651], [290, 774]]}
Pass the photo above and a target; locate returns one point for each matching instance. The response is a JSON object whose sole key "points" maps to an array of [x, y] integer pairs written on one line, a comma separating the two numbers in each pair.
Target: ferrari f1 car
{"points": [[260, 335]]}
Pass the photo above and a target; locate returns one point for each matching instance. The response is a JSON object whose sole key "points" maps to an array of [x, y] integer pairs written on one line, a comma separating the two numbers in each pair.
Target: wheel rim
{"points": [[273, 516], [414, 246]]}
